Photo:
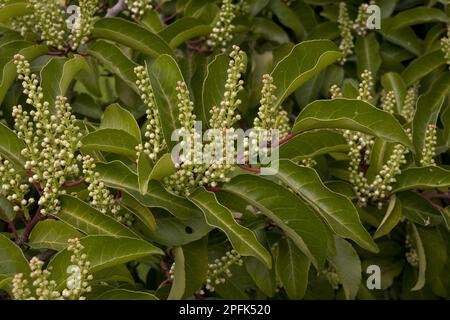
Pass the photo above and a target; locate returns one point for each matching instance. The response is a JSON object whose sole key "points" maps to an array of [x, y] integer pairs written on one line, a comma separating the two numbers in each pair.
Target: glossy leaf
{"points": [[391, 219], [422, 178], [12, 260], [116, 117], [422, 66], [304, 61], [83, 217], [111, 140], [243, 240], [183, 30], [287, 211], [124, 32], [52, 234], [334, 208], [103, 252], [368, 56], [353, 115]]}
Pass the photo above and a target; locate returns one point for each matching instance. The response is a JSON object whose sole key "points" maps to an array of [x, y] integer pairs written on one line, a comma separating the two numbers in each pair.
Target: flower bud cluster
{"points": [[409, 105], [85, 23], [269, 116], [138, 7], [99, 195], [381, 186], [78, 283], [360, 25], [411, 253], [219, 271], [52, 139], [224, 115], [445, 46], [429, 147], [388, 101], [13, 188], [308, 162], [222, 32], [49, 22], [335, 91], [45, 289], [345, 26], [366, 86], [332, 277], [153, 132]]}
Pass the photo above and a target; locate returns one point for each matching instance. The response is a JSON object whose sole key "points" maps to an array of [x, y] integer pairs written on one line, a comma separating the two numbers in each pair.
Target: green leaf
{"points": [[83, 217], [11, 146], [12, 260], [117, 175], [422, 178], [292, 269], [57, 75], [418, 245], [337, 210], [263, 277], [367, 52], [9, 73], [427, 111], [125, 32], [268, 30], [195, 265], [125, 294], [423, 66], [446, 215], [144, 168], [287, 211], [182, 30], [14, 9], [348, 267], [114, 60], [305, 60], [179, 276], [6, 210], [214, 84], [52, 234], [164, 75], [288, 18], [111, 140], [116, 117], [418, 15], [243, 240], [103, 252], [312, 143], [141, 212], [353, 115], [392, 81], [391, 219], [164, 167]]}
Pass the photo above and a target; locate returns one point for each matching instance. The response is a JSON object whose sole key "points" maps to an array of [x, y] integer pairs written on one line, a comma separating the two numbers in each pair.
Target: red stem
{"points": [[287, 138], [12, 228], [29, 227], [214, 189], [250, 169], [72, 183]]}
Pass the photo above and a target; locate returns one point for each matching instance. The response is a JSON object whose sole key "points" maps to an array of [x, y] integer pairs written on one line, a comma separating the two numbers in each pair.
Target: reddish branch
{"points": [[29, 227], [73, 183], [13, 230]]}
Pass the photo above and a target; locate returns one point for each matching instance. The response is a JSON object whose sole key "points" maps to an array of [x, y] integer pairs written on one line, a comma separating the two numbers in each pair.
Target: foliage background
{"points": [[302, 234]]}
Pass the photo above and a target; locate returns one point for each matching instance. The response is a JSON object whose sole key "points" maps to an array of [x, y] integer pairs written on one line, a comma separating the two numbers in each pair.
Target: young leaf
{"points": [[144, 169], [422, 66], [367, 52], [179, 276], [111, 140], [391, 219], [116, 117], [183, 30]]}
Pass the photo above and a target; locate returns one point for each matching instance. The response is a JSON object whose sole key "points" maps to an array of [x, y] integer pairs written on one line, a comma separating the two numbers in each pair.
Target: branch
{"points": [[250, 169], [29, 227], [116, 9], [12, 228], [72, 183]]}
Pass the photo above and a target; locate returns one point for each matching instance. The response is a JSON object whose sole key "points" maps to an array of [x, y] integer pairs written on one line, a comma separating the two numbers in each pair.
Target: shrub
{"points": [[341, 189]]}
